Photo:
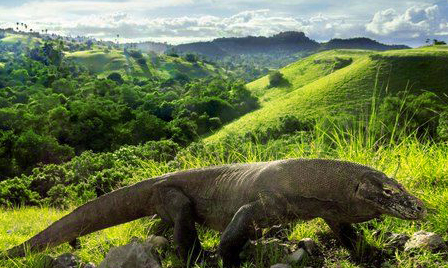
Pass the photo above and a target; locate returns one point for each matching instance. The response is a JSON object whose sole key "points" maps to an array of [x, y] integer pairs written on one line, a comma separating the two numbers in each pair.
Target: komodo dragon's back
{"points": [[233, 198]]}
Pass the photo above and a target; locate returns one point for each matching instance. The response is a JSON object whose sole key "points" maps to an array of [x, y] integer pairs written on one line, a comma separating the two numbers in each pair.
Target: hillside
{"points": [[318, 91], [135, 64], [358, 43], [105, 59], [286, 42], [283, 43]]}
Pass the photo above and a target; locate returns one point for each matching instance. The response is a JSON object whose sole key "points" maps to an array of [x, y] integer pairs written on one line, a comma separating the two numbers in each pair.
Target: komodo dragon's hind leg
{"points": [[261, 213], [177, 209]]}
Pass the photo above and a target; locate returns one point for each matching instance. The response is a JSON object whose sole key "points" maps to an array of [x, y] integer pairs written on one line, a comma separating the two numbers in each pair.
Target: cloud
{"points": [[414, 24], [43, 10], [139, 20], [184, 29]]}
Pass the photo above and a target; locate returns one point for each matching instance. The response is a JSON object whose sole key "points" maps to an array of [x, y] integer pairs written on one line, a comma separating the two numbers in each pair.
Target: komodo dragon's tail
{"points": [[120, 206]]}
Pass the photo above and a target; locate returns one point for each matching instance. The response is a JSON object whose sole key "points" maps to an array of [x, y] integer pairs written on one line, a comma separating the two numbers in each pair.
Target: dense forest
{"points": [[52, 109]]}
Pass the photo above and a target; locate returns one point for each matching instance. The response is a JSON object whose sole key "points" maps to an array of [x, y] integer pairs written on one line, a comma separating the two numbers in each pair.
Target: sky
{"points": [[181, 21]]}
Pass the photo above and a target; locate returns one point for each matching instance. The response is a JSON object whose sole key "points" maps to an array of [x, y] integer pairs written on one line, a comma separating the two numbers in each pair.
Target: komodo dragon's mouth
{"points": [[411, 209]]}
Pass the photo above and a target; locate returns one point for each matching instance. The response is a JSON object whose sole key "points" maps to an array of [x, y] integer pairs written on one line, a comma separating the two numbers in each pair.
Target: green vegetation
{"points": [[420, 167], [78, 120], [132, 64], [52, 108], [341, 84]]}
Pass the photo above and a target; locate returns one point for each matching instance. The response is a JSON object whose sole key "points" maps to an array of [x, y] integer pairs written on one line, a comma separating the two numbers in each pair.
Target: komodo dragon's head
{"points": [[389, 197]]}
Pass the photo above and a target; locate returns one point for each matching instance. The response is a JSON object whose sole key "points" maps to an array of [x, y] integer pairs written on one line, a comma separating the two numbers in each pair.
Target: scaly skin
{"points": [[238, 197]]}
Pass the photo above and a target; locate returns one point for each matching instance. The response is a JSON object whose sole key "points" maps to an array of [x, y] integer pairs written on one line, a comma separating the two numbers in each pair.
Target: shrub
{"points": [[17, 191], [290, 124], [276, 79], [116, 77], [191, 57], [141, 61]]}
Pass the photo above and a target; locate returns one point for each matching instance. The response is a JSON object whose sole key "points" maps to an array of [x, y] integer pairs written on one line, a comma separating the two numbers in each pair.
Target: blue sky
{"points": [[178, 21]]}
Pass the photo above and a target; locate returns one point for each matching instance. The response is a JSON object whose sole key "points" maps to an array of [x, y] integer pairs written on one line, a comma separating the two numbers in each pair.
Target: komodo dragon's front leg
{"points": [[261, 213], [351, 240], [177, 209]]}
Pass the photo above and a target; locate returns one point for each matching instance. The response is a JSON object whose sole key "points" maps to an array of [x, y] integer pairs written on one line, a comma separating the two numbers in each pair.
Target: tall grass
{"points": [[421, 165]]}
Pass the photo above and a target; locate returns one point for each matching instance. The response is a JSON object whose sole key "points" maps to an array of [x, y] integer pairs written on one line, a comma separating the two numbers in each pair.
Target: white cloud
{"points": [[43, 10], [414, 24], [137, 20]]}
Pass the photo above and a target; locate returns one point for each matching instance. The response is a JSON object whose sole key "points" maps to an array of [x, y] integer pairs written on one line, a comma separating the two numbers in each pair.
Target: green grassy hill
{"points": [[103, 62], [342, 81], [24, 39]]}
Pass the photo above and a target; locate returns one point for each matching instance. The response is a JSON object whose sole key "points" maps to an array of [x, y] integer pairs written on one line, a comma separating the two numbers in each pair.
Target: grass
{"points": [[15, 38], [103, 62], [421, 167], [322, 91], [303, 72], [316, 89]]}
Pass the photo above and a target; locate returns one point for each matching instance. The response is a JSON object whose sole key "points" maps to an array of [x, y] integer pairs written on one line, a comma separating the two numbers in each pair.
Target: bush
{"points": [[84, 177], [116, 77], [141, 61], [191, 57], [290, 124], [14, 192], [276, 79], [31, 148]]}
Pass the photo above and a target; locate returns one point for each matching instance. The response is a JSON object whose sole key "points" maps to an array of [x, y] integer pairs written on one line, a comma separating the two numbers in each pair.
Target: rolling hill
{"points": [[284, 43], [103, 62], [317, 89]]}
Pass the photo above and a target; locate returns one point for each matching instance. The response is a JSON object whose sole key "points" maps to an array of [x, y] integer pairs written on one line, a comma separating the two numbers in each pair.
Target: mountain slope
{"points": [[286, 43], [358, 43], [349, 89], [103, 62]]}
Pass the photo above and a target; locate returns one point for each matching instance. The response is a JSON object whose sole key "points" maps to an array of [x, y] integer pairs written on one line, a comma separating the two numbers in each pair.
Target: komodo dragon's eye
{"points": [[389, 190]]}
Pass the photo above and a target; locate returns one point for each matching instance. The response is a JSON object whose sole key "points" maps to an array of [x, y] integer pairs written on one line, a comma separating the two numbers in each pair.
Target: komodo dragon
{"points": [[233, 198]]}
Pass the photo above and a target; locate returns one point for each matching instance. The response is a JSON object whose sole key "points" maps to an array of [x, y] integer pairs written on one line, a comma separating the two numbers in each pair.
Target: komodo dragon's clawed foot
{"points": [[354, 242], [75, 243]]}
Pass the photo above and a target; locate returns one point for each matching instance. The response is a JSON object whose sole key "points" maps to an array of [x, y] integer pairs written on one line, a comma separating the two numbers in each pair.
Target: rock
{"points": [[133, 255], [89, 265], [425, 240], [158, 242], [297, 256], [280, 265], [396, 241], [310, 246], [9, 231], [136, 239], [67, 260], [276, 231]]}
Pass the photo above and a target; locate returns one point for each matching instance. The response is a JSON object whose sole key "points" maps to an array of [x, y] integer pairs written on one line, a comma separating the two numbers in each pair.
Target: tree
{"points": [[276, 79], [191, 57], [20, 75], [438, 42], [114, 76], [31, 148]]}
